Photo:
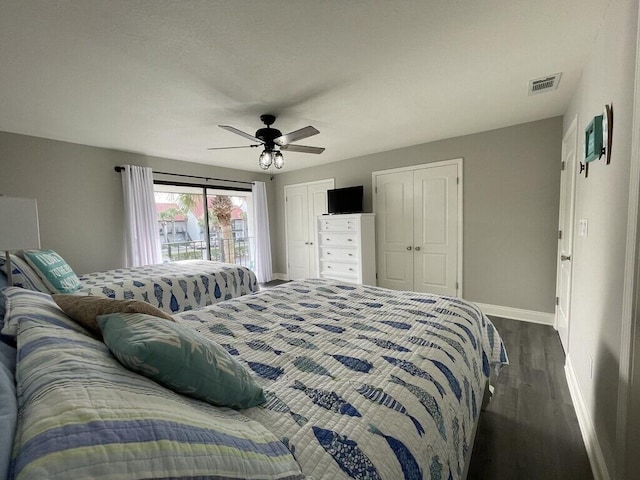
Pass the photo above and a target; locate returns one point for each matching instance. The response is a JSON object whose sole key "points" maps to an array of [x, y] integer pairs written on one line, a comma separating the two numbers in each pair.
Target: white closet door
{"points": [[297, 224], [435, 227], [394, 237], [303, 202], [317, 194]]}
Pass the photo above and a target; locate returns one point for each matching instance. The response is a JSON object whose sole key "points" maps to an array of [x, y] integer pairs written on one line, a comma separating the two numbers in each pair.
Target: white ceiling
{"points": [[158, 77]]}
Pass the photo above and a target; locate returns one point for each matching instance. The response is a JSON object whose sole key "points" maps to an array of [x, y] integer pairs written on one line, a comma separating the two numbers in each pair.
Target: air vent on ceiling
{"points": [[544, 84]]}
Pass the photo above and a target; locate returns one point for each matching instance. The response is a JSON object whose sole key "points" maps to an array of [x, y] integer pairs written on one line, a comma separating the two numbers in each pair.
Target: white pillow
{"points": [[23, 275]]}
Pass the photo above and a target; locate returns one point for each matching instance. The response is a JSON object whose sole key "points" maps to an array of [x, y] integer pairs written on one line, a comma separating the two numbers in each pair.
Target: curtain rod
{"points": [[119, 169]]}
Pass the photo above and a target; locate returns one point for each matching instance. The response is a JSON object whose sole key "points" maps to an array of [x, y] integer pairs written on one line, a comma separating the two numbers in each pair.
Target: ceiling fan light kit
{"points": [[278, 160], [272, 138], [265, 160]]}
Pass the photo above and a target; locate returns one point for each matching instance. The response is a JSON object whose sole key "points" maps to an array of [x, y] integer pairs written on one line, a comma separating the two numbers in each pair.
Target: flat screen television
{"points": [[345, 200]]}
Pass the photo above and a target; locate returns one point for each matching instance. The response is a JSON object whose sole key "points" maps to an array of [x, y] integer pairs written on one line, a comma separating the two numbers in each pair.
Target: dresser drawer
{"points": [[341, 278], [339, 268], [337, 224], [339, 254], [338, 238]]}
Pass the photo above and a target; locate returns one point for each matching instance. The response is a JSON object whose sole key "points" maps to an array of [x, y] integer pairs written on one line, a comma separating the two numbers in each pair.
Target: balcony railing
{"points": [[238, 251]]}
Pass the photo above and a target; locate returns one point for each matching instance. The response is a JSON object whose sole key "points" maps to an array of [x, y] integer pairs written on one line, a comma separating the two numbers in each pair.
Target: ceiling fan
{"points": [[274, 141]]}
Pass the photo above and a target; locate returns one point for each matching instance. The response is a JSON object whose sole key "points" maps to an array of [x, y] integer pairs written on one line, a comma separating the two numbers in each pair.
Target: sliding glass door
{"points": [[204, 223]]}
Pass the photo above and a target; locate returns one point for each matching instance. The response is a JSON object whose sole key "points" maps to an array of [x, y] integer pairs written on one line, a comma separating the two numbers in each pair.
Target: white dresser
{"points": [[346, 247]]}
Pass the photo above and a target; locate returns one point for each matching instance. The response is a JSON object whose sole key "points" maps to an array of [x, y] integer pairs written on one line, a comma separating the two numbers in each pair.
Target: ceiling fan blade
{"points": [[296, 135], [241, 133], [227, 148], [302, 149]]}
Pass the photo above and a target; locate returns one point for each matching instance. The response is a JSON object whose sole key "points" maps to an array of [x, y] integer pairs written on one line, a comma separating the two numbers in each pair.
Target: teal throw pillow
{"points": [[53, 270], [180, 359]]}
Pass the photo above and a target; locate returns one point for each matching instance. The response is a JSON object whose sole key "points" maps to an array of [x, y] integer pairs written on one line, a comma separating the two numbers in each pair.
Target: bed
{"points": [[358, 381], [171, 287]]}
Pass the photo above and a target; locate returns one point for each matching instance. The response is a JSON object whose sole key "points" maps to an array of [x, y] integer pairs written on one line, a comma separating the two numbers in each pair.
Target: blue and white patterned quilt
{"points": [[362, 382], [173, 287]]}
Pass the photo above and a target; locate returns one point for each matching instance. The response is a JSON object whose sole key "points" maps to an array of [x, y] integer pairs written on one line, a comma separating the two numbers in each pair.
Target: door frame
{"points": [[628, 418], [570, 170], [441, 163], [286, 223]]}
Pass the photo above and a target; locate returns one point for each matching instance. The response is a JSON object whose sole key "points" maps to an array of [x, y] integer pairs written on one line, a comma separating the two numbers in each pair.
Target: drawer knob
{"points": [[349, 239]]}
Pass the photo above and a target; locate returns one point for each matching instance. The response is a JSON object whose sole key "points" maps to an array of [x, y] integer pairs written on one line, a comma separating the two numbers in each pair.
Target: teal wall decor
{"points": [[593, 140]]}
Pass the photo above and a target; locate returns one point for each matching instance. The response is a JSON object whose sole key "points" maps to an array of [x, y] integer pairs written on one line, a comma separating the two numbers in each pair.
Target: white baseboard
{"points": [[594, 452], [280, 276], [518, 314]]}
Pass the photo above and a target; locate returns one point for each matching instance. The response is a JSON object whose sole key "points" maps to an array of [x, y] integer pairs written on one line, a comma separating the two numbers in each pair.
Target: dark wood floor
{"points": [[273, 283], [530, 430]]}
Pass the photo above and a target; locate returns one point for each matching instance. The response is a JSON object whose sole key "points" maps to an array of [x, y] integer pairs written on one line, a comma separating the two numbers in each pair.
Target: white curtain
{"points": [[142, 242], [264, 269]]}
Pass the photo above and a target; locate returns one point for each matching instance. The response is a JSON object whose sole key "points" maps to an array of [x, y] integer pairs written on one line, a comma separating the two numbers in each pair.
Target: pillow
{"points": [[84, 309], [8, 405], [23, 275], [53, 270], [180, 359], [19, 301]]}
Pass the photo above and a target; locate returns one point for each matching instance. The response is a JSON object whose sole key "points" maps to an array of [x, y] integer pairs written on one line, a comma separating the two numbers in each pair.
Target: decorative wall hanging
{"points": [[598, 138]]}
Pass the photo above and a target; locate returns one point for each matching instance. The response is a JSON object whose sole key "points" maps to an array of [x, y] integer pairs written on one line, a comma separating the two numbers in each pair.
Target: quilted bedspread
{"points": [[362, 382], [173, 287]]}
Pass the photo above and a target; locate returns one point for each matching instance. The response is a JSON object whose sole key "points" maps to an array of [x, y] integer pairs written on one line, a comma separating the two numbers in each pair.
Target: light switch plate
{"points": [[583, 227]]}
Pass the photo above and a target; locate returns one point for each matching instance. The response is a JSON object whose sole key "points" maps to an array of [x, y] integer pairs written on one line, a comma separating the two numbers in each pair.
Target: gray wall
{"points": [[80, 195], [511, 198], [602, 198]]}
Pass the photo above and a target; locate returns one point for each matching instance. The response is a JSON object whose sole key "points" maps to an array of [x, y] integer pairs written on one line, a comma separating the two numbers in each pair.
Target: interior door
{"points": [[317, 194], [394, 230], [435, 219], [297, 225], [303, 202], [565, 233]]}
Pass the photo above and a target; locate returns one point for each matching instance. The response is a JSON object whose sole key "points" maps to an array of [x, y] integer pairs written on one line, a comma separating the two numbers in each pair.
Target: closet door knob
{"points": [[409, 248], [417, 249]]}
